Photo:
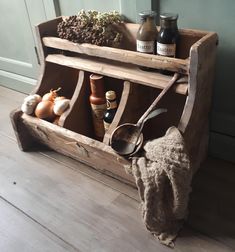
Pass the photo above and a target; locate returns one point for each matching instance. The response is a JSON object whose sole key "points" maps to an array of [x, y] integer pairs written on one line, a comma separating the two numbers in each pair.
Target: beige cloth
{"points": [[163, 177]]}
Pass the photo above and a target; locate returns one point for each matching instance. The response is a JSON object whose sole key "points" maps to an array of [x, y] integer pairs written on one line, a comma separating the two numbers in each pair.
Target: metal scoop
{"points": [[124, 139]]}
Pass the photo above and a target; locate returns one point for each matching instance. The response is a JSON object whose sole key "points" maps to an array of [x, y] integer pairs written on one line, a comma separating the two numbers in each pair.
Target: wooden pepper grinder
{"points": [[98, 104]]}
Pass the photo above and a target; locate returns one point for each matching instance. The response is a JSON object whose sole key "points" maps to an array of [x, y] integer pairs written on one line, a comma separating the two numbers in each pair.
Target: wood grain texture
{"points": [[21, 233], [79, 147], [77, 115], [9, 101], [117, 70], [85, 213], [119, 113], [195, 118], [121, 55]]}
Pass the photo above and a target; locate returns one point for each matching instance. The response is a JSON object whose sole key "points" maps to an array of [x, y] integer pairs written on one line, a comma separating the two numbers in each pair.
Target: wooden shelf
{"points": [[118, 70], [121, 55]]}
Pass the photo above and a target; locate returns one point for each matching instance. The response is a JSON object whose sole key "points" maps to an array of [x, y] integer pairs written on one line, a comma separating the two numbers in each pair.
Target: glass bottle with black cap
{"points": [[168, 35]]}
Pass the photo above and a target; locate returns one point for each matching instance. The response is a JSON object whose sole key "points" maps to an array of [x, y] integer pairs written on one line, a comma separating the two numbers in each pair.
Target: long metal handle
{"points": [[159, 97]]}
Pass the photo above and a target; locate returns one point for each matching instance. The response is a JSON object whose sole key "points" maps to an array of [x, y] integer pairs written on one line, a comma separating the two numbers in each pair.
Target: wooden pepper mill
{"points": [[98, 104]]}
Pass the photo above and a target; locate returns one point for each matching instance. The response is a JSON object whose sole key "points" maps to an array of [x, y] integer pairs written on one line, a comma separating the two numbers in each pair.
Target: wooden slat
{"points": [[133, 28], [119, 70], [82, 148], [121, 55]]}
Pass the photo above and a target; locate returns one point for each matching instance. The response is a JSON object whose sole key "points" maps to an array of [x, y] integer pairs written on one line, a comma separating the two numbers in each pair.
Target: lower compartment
{"points": [[77, 146]]}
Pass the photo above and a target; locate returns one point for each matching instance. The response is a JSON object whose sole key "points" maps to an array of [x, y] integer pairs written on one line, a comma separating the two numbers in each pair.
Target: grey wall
{"points": [[129, 9], [218, 16]]}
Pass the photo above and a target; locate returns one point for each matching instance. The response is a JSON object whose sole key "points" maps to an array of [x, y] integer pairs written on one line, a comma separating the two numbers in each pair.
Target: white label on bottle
{"points": [[97, 116], [106, 126], [166, 49], [111, 104], [145, 46]]}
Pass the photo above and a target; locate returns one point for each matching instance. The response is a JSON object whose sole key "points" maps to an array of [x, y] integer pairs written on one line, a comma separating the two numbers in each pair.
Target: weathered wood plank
{"points": [[77, 146], [105, 179], [118, 70], [194, 122], [9, 100], [20, 233], [121, 55], [71, 205]]}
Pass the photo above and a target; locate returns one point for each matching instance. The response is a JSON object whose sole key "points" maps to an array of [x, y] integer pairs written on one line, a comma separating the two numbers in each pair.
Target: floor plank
{"points": [[91, 172], [20, 233], [86, 213], [9, 100]]}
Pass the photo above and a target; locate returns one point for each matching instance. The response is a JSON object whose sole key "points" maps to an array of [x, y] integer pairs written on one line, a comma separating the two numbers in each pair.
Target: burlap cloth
{"points": [[163, 176]]}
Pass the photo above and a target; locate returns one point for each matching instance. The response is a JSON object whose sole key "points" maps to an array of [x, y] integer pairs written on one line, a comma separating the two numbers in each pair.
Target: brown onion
{"points": [[50, 96], [44, 110]]}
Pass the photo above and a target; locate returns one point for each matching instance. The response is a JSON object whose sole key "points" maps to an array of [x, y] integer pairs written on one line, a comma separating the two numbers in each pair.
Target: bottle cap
{"points": [[96, 77], [97, 85], [110, 95], [145, 14], [169, 16]]}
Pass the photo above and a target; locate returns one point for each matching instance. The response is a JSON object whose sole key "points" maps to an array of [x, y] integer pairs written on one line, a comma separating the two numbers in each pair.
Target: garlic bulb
{"points": [[33, 98], [27, 109], [60, 106], [30, 103], [59, 98]]}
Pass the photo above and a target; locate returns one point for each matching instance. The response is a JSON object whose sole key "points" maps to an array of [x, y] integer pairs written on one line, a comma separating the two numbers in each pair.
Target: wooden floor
{"points": [[51, 203]]}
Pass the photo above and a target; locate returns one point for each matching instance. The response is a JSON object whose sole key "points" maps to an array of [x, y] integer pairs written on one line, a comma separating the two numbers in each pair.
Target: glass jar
{"points": [[147, 33], [168, 35]]}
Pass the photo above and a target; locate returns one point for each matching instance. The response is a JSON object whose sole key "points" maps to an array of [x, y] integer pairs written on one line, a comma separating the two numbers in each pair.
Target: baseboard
{"points": [[223, 122], [222, 146], [17, 82]]}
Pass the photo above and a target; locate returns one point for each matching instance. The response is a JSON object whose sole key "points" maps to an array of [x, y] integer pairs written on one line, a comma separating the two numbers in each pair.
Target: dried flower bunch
{"points": [[91, 27]]}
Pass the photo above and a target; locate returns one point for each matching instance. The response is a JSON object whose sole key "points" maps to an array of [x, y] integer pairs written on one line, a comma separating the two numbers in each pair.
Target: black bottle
{"points": [[168, 35], [111, 108]]}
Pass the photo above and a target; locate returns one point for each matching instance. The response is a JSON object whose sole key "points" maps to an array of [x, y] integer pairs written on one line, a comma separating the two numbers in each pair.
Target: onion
{"points": [[44, 110], [51, 96]]}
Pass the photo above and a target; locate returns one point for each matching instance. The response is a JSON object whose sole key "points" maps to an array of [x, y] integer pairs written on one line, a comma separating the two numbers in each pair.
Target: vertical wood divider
{"points": [[121, 108]]}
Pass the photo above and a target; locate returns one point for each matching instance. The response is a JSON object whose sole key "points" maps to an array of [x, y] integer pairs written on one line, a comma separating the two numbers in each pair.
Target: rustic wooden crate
{"points": [[68, 65]]}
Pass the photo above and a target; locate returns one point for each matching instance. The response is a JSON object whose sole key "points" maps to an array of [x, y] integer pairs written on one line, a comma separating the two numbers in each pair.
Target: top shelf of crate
{"points": [[127, 53], [121, 55]]}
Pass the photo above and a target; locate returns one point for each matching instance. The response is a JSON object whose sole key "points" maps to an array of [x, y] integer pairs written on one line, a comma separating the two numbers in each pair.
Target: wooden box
{"points": [[68, 65]]}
